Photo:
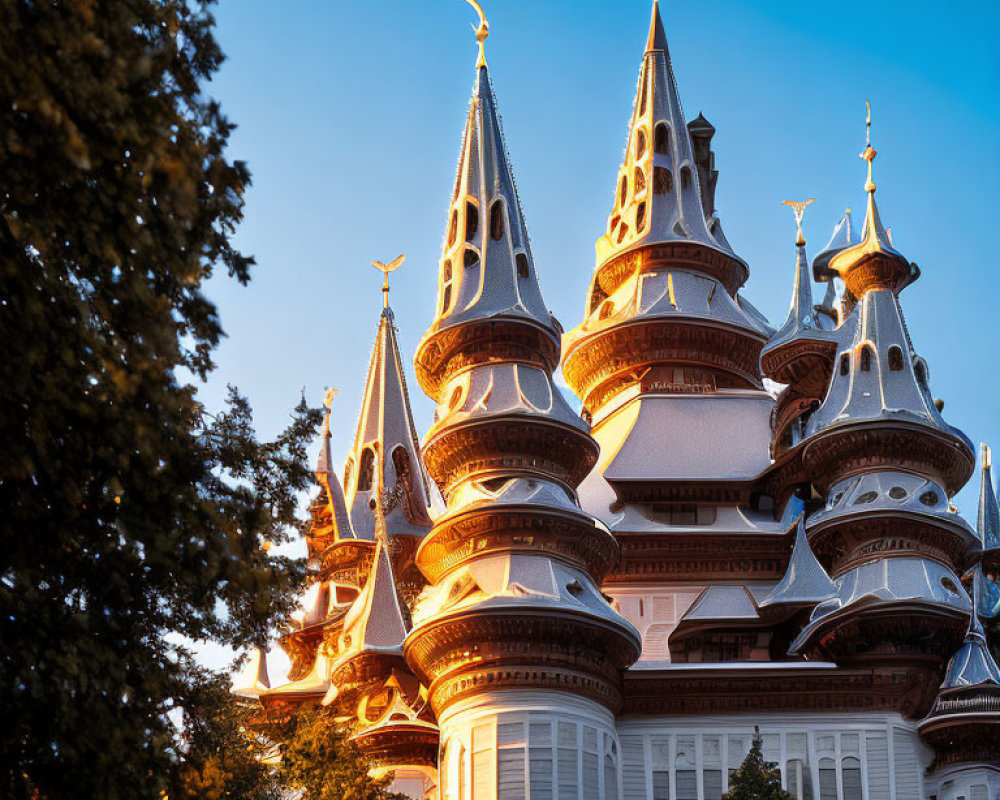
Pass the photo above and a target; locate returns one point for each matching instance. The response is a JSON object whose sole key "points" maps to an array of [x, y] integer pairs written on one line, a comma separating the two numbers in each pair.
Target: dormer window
{"points": [[496, 220], [366, 472], [661, 139], [471, 221]]}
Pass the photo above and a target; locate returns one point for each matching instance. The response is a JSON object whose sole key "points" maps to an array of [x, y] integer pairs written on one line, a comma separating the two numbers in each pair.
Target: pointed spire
{"points": [[376, 620], [894, 270], [385, 464], [843, 236], [800, 312], [988, 523], [328, 479], [805, 581], [658, 192], [973, 664], [487, 269]]}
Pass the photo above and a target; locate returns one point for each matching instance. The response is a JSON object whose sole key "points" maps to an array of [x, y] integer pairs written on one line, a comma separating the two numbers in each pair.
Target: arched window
{"points": [[852, 778], [640, 217], [685, 177], [895, 358], [827, 779], [623, 191], [799, 780], [470, 258], [638, 181], [662, 180], [522, 265], [845, 363], [471, 221], [446, 284], [453, 227], [640, 144], [622, 232], [866, 358], [366, 472], [661, 139], [496, 220]]}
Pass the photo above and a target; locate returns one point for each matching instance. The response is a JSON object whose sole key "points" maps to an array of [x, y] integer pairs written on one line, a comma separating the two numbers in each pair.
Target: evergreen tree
{"points": [[756, 779], [319, 759], [131, 518]]}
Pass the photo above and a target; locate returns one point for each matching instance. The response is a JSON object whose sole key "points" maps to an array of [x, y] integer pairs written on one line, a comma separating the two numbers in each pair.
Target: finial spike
{"points": [[385, 269], [798, 208], [481, 33], [987, 455], [869, 153]]}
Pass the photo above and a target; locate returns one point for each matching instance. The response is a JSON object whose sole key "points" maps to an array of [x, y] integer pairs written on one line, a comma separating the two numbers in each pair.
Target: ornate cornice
{"points": [[696, 691], [841, 451], [483, 530], [614, 358], [515, 443]]}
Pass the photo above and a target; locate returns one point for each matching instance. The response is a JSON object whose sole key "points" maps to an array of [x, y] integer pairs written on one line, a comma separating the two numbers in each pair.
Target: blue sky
{"points": [[350, 116]]}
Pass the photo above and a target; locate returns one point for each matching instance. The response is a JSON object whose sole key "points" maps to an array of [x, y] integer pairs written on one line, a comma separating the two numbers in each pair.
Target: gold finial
{"points": [[385, 269], [481, 32], [329, 397], [798, 208], [987, 455], [869, 153]]}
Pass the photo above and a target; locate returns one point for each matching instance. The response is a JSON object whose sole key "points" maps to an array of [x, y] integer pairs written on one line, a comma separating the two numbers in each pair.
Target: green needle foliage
{"points": [[756, 779], [131, 518]]}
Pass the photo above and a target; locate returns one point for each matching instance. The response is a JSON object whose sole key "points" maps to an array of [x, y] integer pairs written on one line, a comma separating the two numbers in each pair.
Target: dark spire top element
{"points": [[657, 36]]}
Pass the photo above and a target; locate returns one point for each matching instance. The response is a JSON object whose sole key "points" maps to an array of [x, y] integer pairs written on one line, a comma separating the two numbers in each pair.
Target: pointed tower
{"points": [[988, 525], [887, 461], [963, 726], [371, 686], [513, 620], [800, 354]]}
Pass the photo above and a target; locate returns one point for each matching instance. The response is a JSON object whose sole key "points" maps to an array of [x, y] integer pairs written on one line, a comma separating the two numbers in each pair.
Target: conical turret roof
{"points": [[658, 195], [331, 483], [385, 464], [988, 522], [805, 581], [487, 269], [844, 235]]}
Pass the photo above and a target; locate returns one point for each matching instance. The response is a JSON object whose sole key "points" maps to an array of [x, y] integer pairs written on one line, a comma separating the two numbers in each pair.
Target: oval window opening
{"points": [[496, 220], [471, 221], [661, 139]]}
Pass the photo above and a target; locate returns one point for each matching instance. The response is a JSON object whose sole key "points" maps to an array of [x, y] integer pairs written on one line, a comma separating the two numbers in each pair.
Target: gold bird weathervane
{"points": [[385, 269], [481, 32], [798, 208]]}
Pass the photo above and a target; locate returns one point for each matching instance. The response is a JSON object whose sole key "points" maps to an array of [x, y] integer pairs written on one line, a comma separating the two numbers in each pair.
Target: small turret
{"points": [[988, 523]]}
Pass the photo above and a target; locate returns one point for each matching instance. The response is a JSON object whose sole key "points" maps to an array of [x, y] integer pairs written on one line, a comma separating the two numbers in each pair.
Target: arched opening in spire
{"points": [[638, 181], [471, 220], [895, 358], [640, 144], [661, 139], [640, 216], [685, 177], [470, 258], [845, 363], [496, 220], [522, 265], [866, 358], [663, 181], [366, 471], [623, 191], [453, 227], [446, 284]]}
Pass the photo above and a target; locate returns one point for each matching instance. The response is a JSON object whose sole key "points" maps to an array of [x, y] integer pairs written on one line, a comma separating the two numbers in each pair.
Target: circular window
{"points": [[949, 585], [929, 498], [867, 497], [897, 493]]}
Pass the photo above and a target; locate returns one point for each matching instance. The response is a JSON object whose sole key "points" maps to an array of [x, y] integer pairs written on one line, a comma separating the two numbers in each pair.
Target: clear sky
{"points": [[350, 115]]}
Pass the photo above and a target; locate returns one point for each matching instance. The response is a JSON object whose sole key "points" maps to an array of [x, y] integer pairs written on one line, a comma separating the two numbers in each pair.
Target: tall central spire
{"points": [[658, 196]]}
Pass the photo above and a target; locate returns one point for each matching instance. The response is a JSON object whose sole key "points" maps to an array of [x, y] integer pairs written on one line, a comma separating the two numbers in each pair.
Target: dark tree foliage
{"points": [[756, 779], [131, 518], [318, 758], [219, 756]]}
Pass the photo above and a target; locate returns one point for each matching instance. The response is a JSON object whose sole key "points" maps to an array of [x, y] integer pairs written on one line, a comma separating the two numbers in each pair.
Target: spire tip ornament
{"points": [[385, 269], [481, 32], [798, 208], [869, 153]]}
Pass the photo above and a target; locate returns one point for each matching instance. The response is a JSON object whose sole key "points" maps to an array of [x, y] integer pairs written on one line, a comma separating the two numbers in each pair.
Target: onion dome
{"points": [[386, 454], [658, 195], [801, 351], [872, 262], [988, 521], [805, 582], [487, 287], [963, 723]]}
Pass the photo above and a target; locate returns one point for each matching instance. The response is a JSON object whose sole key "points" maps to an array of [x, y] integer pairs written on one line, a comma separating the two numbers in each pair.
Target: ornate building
{"points": [[742, 527]]}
